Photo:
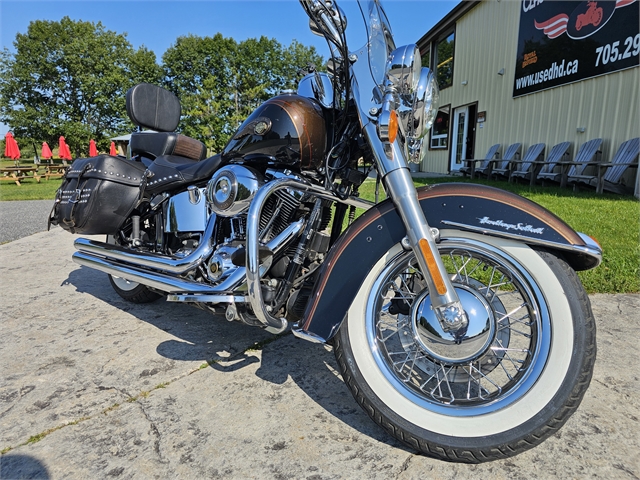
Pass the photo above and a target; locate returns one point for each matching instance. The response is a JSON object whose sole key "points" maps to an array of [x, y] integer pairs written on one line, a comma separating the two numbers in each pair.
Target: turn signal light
{"points": [[441, 288], [393, 126]]}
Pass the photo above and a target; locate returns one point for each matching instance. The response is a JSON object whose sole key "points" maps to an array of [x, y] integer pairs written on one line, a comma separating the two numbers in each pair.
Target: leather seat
{"points": [[155, 108], [156, 144], [169, 172]]}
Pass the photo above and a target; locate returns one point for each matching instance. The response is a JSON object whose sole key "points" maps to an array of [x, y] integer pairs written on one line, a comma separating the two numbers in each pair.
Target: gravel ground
{"points": [[24, 218]]}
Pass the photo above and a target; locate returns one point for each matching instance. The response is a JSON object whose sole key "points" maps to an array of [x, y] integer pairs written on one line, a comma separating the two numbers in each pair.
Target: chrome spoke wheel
{"points": [[495, 360]]}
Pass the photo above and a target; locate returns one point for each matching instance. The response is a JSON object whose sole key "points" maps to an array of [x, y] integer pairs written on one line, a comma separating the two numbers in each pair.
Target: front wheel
{"points": [[490, 391]]}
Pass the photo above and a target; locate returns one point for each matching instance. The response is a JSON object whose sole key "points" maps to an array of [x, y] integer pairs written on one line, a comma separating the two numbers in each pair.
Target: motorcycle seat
{"points": [[157, 144], [169, 172], [153, 107]]}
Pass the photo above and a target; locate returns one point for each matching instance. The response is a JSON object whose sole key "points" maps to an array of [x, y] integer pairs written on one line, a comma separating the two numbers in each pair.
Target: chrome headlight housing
{"points": [[423, 114], [403, 69]]}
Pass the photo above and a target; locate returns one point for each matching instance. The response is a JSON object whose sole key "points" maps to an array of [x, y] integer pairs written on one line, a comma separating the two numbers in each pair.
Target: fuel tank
{"points": [[287, 130]]}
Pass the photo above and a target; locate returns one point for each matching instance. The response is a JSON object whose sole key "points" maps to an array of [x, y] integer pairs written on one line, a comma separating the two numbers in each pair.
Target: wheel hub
{"points": [[454, 346]]}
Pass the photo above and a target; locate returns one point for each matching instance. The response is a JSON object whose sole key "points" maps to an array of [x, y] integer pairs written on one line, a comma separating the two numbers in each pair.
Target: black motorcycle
{"points": [[456, 316]]}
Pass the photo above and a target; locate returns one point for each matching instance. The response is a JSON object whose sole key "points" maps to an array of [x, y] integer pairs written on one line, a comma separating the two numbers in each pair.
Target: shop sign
{"points": [[561, 42]]}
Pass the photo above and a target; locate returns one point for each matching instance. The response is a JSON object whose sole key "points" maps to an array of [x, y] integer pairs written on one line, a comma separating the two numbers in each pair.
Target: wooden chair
{"points": [[549, 170], [470, 168], [528, 167], [503, 166], [588, 154], [610, 176]]}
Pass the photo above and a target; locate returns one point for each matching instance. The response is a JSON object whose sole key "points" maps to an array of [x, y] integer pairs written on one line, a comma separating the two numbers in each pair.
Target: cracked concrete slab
{"points": [[112, 389]]}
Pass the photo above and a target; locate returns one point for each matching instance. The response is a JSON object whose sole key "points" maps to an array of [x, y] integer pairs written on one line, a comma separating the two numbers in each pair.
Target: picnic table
{"points": [[17, 174], [55, 170]]}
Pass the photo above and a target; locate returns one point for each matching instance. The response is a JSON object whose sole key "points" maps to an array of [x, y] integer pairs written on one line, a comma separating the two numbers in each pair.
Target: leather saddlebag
{"points": [[97, 195]]}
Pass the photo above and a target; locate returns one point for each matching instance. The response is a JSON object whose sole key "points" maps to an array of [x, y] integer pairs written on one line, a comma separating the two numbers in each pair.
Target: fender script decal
{"points": [[510, 226]]}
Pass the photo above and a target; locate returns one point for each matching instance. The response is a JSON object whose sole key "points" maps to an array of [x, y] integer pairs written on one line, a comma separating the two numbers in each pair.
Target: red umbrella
{"points": [[46, 151], [11, 149], [63, 150], [93, 151], [112, 150]]}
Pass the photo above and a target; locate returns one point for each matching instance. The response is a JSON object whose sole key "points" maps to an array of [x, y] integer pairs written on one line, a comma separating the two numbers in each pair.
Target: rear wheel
{"points": [[131, 291], [501, 386]]}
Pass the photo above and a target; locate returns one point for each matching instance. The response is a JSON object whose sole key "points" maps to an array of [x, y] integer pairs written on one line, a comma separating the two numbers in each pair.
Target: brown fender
{"points": [[460, 206]]}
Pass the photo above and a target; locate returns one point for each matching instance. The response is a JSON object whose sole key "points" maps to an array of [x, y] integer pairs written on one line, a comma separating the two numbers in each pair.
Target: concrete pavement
{"points": [[94, 387]]}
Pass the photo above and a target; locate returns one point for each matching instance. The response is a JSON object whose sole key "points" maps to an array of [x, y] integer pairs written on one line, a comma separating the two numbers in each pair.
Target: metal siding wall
{"points": [[486, 41]]}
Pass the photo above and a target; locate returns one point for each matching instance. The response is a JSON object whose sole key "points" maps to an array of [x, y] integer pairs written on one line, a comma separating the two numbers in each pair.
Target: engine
{"points": [[286, 257]]}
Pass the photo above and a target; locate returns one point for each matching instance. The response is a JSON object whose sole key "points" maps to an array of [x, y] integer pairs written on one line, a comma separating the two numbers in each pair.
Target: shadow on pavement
{"points": [[202, 336], [22, 466]]}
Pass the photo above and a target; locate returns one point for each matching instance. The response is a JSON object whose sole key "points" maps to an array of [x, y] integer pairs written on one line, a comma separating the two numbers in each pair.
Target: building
{"points": [[533, 71]]}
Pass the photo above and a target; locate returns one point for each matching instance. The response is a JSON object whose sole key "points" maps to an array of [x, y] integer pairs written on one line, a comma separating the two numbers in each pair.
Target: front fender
{"points": [[462, 206]]}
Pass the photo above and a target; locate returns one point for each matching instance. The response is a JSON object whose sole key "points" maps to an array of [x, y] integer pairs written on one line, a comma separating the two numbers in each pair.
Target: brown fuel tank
{"points": [[287, 130]]}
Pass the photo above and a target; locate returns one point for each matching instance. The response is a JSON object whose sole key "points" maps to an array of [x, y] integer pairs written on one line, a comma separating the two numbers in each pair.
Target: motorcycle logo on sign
{"points": [[585, 20]]}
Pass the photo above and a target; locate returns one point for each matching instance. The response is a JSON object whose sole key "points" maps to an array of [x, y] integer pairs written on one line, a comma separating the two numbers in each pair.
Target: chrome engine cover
{"points": [[183, 215], [231, 189]]}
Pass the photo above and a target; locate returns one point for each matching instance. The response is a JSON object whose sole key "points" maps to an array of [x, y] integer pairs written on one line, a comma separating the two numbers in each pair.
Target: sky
{"points": [[156, 24]]}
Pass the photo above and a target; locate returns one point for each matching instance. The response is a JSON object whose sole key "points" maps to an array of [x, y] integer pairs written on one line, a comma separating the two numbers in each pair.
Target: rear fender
{"points": [[461, 206]]}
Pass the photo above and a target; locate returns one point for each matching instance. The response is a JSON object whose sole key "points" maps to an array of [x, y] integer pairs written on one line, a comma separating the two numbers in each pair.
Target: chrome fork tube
{"points": [[401, 190]]}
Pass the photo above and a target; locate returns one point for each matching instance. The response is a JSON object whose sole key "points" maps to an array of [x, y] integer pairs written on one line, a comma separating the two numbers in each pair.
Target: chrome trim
{"points": [[402, 191], [156, 280], [186, 212], [105, 260], [591, 248], [196, 298], [317, 85], [308, 336], [175, 266], [253, 225]]}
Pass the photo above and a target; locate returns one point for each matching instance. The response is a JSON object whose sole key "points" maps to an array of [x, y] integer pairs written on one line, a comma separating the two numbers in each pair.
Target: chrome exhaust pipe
{"points": [[156, 280], [119, 262], [175, 266]]}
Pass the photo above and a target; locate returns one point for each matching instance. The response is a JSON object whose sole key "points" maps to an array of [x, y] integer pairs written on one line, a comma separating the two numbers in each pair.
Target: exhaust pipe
{"points": [[175, 266], [135, 267], [156, 280]]}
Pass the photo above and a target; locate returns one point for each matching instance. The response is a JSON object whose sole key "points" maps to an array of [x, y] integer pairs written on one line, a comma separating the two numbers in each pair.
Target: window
{"points": [[444, 61], [426, 58], [440, 128]]}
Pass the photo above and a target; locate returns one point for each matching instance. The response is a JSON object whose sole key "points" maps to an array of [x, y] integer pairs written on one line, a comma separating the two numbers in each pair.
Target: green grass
{"points": [[612, 219], [29, 189]]}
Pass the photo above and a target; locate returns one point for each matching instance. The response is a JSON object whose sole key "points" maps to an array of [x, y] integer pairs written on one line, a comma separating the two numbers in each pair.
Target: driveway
{"points": [[93, 387]]}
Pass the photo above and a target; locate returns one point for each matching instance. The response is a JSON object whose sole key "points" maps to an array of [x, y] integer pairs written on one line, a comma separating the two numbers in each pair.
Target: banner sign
{"points": [[561, 42]]}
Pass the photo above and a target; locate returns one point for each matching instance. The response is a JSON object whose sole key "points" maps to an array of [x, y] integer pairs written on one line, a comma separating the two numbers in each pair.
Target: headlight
{"points": [[425, 108], [403, 69]]}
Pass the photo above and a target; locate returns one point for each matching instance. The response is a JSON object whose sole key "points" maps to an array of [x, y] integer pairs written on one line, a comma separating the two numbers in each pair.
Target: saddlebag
{"points": [[97, 195]]}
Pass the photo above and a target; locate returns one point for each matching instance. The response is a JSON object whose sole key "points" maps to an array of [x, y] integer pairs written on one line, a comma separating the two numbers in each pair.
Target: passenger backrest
{"points": [[153, 107]]}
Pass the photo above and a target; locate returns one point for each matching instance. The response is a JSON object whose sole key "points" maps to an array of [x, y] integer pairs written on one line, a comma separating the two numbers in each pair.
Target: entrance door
{"points": [[459, 133]]}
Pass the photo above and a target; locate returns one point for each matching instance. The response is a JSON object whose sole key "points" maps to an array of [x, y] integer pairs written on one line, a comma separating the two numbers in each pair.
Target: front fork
{"points": [[400, 188]]}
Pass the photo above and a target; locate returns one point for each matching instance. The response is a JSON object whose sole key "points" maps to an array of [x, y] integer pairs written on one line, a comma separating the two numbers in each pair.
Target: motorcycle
{"points": [[456, 316]]}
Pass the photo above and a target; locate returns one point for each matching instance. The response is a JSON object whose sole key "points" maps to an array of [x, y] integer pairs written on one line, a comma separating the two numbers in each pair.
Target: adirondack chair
{"points": [[610, 176], [470, 169], [550, 170], [589, 154], [503, 166], [528, 167]]}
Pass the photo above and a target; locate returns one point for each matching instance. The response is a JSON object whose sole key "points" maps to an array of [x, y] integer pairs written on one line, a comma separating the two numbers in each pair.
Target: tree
{"points": [[220, 81], [70, 78]]}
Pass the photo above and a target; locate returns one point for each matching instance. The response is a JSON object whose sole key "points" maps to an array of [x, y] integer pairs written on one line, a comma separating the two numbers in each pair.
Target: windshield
{"points": [[380, 38]]}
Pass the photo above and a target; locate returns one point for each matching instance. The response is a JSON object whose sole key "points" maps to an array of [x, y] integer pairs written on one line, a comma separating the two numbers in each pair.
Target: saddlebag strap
{"points": [[76, 196]]}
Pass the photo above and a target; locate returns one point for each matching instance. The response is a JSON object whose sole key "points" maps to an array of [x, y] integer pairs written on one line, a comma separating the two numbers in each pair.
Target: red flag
{"points": [[93, 151], [63, 150], [112, 150], [46, 151], [11, 149]]}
